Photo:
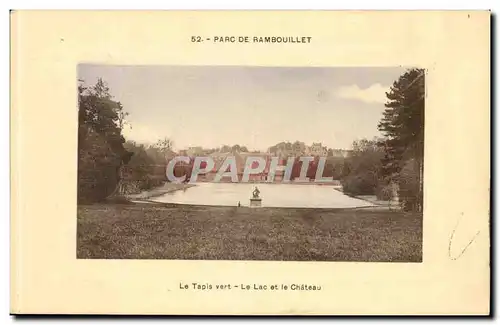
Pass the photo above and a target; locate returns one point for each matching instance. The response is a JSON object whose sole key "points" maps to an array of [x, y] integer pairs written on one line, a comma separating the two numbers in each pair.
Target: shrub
{"points": [[97, 170], [362, 184]]}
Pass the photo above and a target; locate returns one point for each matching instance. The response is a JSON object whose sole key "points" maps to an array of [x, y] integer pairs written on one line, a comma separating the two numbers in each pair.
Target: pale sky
{"points": [[256, 107]]}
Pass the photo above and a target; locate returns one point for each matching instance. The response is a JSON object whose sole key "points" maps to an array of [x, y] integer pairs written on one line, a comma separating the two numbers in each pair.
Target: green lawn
{"points": [[230, 233]]}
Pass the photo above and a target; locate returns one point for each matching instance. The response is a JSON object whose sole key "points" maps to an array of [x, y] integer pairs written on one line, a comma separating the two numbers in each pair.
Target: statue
{"points": [[256, 193], [255, 201]]}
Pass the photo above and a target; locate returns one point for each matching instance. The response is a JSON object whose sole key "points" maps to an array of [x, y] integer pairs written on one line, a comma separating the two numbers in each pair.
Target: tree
{"points": [[361, 170], [161, 151], [140, 167], [100, 142], [122, 115], [282, 146], [209, 151], [236, 148], [403, 127]]}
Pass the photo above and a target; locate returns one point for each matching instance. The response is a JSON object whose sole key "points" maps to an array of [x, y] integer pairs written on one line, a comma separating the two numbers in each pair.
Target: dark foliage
{"points": [[100, 142], [403, 127]]}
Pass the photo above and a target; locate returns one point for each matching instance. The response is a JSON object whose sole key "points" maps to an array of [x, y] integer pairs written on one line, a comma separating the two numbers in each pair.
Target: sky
{"points": [[256, 107]]}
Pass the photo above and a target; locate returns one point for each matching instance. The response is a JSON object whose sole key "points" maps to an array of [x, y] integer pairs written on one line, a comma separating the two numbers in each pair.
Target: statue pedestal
{"points": [[255, 203]]}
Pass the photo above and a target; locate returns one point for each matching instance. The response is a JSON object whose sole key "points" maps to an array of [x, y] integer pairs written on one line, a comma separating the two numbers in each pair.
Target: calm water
{"points": [[273, 195]]}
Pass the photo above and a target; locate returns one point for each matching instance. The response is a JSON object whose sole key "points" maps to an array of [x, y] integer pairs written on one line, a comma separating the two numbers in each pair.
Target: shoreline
{"points": [[331, 184], [373, 200], [148, 203], [159, 191]]}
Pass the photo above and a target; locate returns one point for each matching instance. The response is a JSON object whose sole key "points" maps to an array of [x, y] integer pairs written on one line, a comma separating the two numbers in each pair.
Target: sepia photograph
{"points": [[250, 163]]}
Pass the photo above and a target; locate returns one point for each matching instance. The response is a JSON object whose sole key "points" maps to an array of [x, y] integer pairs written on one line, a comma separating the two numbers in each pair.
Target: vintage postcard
{"points": [[201, 163]]}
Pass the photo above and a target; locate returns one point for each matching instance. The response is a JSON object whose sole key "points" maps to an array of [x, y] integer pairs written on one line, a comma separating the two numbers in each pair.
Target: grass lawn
{"points": [[142, 231]]}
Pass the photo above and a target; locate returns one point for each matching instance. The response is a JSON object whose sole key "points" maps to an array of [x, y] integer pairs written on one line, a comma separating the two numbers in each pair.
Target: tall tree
{"points": [[403, 126], [100, 142]]}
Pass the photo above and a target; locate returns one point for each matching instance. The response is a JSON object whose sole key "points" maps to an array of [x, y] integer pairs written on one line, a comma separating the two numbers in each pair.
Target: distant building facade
{"points": [[317, 150], [195, 151]]}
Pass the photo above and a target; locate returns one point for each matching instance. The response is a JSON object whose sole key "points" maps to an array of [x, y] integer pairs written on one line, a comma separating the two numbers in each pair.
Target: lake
{"points": [[273, 195]]}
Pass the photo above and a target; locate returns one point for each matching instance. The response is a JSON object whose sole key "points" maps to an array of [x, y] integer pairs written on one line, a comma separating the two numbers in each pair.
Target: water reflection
{"points": [[273, 195]]}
